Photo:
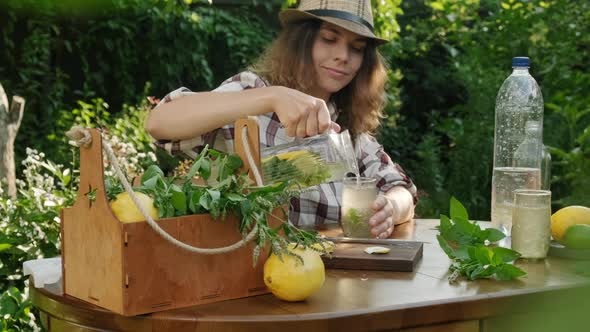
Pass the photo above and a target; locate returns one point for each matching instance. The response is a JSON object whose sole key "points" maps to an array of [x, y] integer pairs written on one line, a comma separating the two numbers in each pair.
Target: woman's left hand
{"points": [[381, 223]]}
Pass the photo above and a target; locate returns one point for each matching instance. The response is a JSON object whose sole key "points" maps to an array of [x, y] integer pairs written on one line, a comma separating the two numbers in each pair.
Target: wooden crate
{"points": [[129, 269]]}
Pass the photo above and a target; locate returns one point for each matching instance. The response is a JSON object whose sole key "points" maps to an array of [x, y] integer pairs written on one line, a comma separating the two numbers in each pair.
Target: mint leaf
{"points": [[205, 201], [194, 204], [483, 255], [506, 255], [167, 210], [481, 272], [150, 183], [508, 272], [458, 232], [245, 208], [161, 186], [233, 163], [462, 252], [445, 224], [197, 166], [464, 231], [494, 235], [153, 171], [235, 197], [178, 199], [215, 194], [205, 170], [464, 241], [458, 211], [445, 246]]}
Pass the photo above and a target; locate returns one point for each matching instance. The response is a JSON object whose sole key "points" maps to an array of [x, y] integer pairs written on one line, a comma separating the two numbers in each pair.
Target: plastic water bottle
{"points": [[545, 169], [518, 141]]}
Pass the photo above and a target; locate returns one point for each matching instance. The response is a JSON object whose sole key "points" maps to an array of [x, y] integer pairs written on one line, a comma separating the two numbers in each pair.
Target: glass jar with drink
{"points": [[358, 194], [531, 223]]}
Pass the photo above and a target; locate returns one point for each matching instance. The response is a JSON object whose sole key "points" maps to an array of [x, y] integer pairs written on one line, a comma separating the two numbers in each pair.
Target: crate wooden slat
{"points": [[129, 269]]}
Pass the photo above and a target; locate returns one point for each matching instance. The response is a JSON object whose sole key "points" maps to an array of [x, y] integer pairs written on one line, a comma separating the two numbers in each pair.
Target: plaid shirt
{"points": [[312, 207]]}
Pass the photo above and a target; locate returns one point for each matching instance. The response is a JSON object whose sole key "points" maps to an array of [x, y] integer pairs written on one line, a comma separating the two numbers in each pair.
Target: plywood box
{"points": [[130, 269]]}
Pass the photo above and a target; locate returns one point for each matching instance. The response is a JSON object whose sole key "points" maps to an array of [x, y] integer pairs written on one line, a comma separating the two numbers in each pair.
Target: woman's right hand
{"points": [[302, 115]]}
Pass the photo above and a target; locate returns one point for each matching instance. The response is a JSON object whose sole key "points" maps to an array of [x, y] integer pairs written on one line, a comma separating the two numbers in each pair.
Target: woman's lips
{"points": [[335, 73]]}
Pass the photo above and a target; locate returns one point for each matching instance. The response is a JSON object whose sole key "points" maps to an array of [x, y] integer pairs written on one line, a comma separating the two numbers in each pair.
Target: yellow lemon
{"points": [[293, 154], [376, 250], [566, 217], [290, 279], [286, 155], [125, 210]]}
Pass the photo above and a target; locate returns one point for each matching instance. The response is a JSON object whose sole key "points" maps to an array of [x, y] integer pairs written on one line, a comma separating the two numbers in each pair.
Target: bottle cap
{"points": [[520, 61]]}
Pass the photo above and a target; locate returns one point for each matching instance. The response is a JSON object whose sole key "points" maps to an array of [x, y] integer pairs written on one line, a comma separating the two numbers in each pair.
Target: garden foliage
{"points": [[449, 61], [30, 225], [94, 66], [54, 56]]}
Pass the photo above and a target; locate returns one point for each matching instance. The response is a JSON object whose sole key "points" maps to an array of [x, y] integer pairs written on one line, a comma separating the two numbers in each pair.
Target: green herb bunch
{"points": [[465, 244], [354, 216], [227, 192]]}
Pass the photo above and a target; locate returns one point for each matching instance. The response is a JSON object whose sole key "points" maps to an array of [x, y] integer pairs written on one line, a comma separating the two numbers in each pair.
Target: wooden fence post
{"points": [[10, 120]]}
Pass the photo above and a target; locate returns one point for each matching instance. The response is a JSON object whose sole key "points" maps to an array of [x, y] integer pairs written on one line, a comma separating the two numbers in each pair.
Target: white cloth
{"points": [[45, 271]]}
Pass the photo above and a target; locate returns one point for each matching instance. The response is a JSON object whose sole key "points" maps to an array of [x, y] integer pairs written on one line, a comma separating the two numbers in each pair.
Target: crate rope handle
{"points": [[82, 138]]}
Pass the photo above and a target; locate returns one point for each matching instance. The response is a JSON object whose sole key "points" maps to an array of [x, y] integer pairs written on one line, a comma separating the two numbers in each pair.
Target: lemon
{"points": [[286, 155], [126, 211], [566, 217], [577, 237], [290, 279], [293, 154], [376, 250]]}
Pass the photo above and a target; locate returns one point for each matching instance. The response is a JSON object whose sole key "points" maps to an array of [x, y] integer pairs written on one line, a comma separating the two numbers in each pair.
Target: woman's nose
{"points": [[341, 52]]}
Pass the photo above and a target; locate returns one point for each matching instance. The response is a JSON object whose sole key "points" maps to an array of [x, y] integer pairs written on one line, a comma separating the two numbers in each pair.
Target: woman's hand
{"points": [[302, 115], [382, 221]]}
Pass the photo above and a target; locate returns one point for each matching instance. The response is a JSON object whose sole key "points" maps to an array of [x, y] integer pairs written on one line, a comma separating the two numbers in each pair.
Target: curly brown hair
{"points": [[288, 62]]}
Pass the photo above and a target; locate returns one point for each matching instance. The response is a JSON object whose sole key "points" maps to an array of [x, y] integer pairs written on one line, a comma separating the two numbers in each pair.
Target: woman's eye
{"points": [[358, 49], [328, 40]]}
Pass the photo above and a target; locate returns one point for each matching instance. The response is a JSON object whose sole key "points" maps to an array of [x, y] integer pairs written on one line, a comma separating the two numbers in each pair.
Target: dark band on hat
{"points": [[341, 15]]}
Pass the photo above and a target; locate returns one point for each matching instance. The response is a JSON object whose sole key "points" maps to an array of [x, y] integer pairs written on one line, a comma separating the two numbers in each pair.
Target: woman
{"points": [[323, 71]]}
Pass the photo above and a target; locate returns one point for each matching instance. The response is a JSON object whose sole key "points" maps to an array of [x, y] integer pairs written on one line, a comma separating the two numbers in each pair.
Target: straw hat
{"points": [[352, 15]]}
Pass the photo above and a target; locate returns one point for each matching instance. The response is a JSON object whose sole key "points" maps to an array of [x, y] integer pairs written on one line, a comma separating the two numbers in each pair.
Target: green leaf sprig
{"points": [[226, 191], [466, 245]]}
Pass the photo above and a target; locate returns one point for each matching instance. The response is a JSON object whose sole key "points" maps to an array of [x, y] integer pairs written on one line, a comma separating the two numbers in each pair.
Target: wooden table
{"points": [[367, 301]]}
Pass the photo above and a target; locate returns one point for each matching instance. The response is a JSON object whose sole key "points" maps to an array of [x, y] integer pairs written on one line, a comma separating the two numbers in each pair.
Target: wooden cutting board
{"points": [[403, 255]]}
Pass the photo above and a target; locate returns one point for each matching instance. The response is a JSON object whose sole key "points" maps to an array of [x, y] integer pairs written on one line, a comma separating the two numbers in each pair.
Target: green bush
{"points": [[16, 311], [55, 54], [447, 58], [29, 224], [452, 57], [29, 229]]}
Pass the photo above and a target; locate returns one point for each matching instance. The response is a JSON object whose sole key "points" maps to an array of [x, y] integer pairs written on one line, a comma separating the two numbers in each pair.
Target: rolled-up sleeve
{"points": [[190, 148], [374, 162]]}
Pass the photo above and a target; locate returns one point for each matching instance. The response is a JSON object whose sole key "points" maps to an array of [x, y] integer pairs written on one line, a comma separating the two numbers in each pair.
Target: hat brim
{"points": [[289, 16]]}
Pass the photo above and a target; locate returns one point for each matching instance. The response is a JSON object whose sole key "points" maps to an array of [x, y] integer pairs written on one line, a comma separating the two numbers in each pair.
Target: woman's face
{"points": [[337, 56]]}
